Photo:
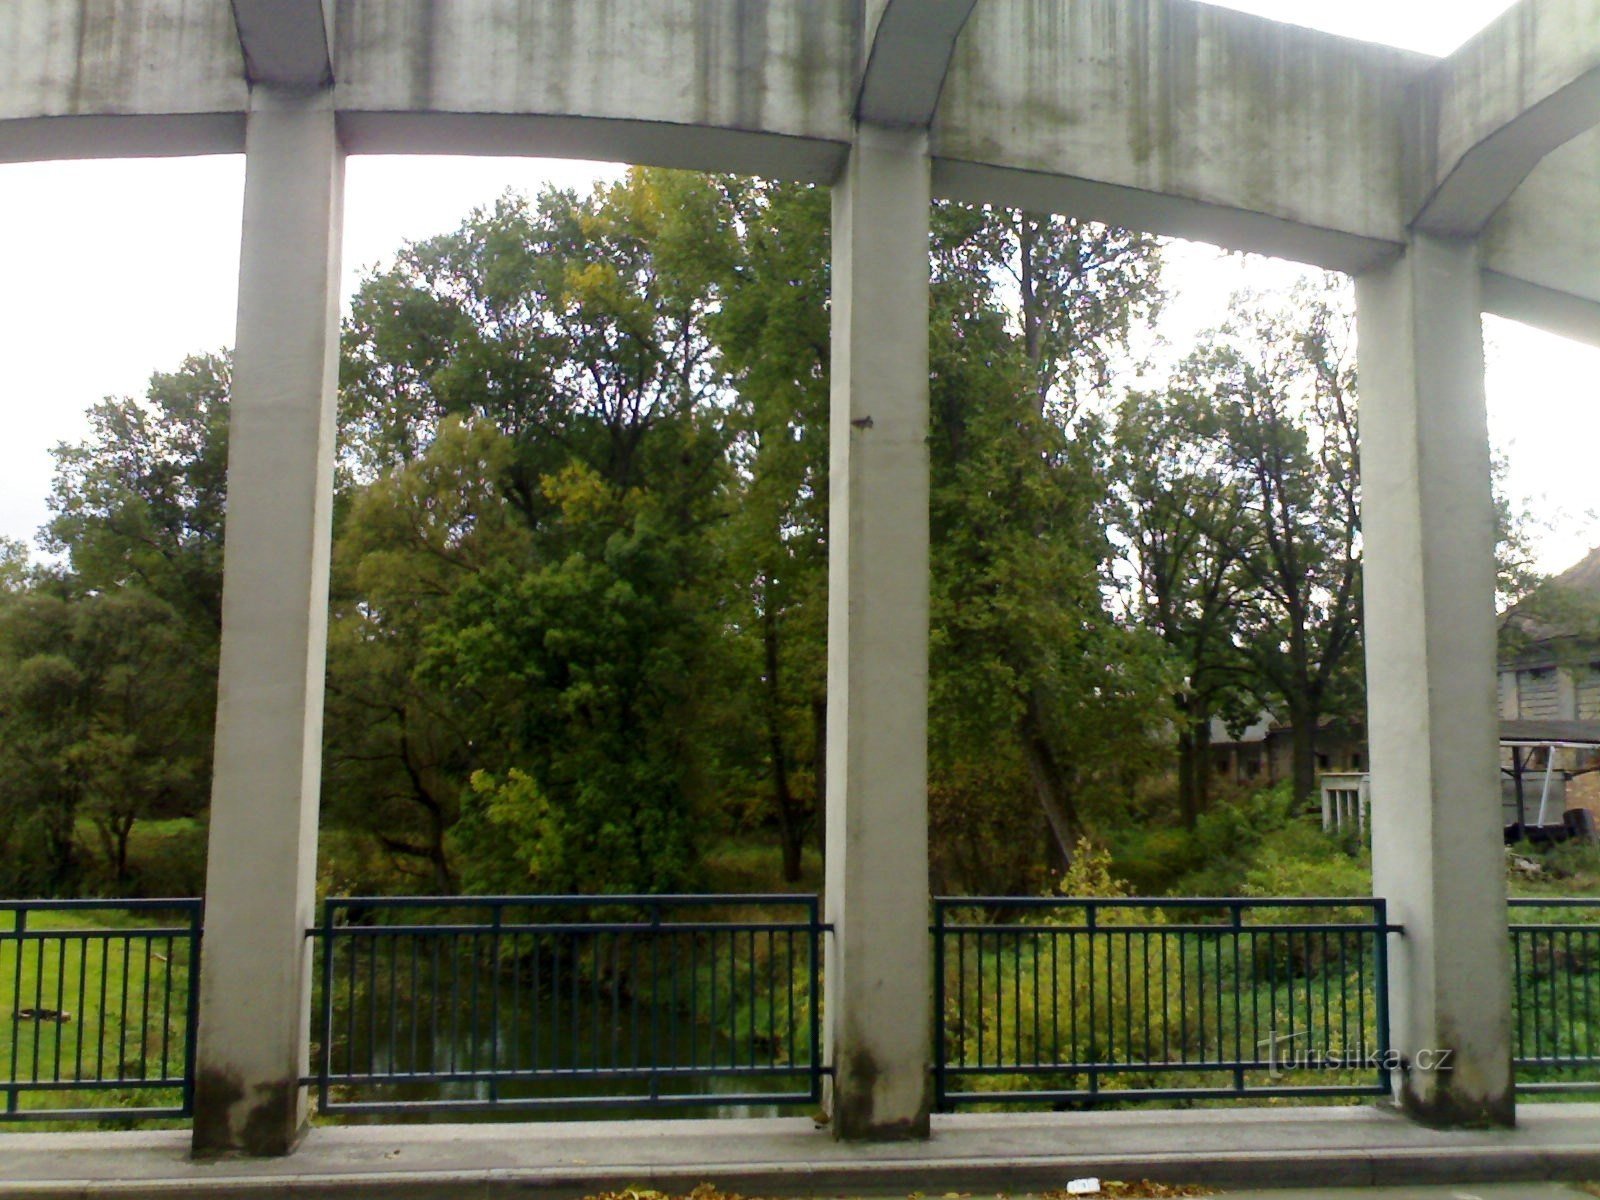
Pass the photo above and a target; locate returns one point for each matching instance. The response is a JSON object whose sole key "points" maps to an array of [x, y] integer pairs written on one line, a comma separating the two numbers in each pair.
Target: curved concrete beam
{"points": [[1488, 114], [909, 44], [286, 42], [1164, 115], [1541, 252]]}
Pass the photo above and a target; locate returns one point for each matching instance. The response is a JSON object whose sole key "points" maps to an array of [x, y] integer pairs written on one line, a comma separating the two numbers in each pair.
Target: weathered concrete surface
{"points": [[261, 864], [878, 1011], [125, 77], [286, 42], [779, 72], [978, 1153], [1166, 115], [1488, 114], [1542, 250], [1428, 525], [907, 51], [1203, 110]]}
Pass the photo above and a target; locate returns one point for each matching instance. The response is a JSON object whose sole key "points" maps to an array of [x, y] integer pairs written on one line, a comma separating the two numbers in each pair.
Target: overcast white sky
{"points": [[110, 270]]}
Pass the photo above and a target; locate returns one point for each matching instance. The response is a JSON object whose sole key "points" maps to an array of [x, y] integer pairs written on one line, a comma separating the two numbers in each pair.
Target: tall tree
{"points": [[1031, 671], [1281, 377], [1177, 513], [772, 336]]}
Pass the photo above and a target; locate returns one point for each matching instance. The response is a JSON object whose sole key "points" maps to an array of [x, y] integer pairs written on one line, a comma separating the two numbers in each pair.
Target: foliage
{"points": [[97, 711], [1253, 576], [1029, 670]]}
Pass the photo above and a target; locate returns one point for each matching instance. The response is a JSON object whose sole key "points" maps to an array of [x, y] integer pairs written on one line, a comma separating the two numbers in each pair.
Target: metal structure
{"points": [[509, 1002], [1096, 1000], [1555, 952], [608, 1003], [98, 1013]]}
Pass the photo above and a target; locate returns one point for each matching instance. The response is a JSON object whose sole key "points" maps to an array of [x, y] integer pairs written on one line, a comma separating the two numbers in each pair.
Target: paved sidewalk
{"points": [[977, 1153]]}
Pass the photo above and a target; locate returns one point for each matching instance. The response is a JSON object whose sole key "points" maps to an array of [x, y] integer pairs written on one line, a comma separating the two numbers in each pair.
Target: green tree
{"points": [[1177, 508], [537, 403], [772, 337], [97, 699], [1281, 377], [140, 500], [1032, 676]]}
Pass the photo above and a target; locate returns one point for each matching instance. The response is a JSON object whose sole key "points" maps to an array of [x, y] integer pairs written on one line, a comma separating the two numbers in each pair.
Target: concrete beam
{"points": [[1429, 528], [908, 49], [262, 854], [1202, 118], [1488, 114], [124, 77], [1165, 115], [1542, 249], [286, 42], [664, 82]]}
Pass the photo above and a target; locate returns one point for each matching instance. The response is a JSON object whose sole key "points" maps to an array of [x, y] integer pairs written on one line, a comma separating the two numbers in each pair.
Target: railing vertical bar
{"points": [[1381, 986], [1236, 914], [19, 926], [191, 1025], [940, 1035], [83, 983], [1089, 923]]}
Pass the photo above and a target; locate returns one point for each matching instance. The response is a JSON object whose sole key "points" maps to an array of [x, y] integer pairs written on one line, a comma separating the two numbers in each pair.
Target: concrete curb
{"points": [[802, 1181]]}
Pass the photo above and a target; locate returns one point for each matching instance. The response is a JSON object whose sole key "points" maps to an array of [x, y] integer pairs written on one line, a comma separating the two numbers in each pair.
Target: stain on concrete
{"points": [[855, 1117], [269, 1129]]}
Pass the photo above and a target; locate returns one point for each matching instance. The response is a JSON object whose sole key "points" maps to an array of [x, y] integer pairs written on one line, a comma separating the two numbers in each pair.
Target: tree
{"points": [[1031, 673], [1281, 379], [536, 401], [140, 500], [1174, 495], [772, 337], [97, 699]]}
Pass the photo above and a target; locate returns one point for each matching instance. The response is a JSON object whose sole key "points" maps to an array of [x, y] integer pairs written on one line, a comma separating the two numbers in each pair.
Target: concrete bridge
{"points": [[1447, 188]]}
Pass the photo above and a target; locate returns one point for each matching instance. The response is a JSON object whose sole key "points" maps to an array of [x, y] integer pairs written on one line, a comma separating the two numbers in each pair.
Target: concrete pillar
{"points": [[878, 971], [1428, 529], [261, 865]]}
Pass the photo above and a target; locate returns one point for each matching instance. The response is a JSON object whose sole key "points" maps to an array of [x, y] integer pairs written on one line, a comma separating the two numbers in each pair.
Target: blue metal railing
{"points": [[1086, 1001], [98, 1000], [1555, 961], [520, 1002]]}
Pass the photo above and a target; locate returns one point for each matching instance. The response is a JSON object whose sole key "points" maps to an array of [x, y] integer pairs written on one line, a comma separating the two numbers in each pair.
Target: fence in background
{"points": [[567, 1001], [97, 1007], [1089, 1001], [1555, 973]]}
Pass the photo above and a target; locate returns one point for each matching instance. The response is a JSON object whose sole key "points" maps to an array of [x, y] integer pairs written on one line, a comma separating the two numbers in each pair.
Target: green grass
{"points": [[121, 999]]}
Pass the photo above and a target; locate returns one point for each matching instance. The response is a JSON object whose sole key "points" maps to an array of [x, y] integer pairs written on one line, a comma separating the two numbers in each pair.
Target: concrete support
{"points": [[877, 1006], [260, 872], [1428, 527]]}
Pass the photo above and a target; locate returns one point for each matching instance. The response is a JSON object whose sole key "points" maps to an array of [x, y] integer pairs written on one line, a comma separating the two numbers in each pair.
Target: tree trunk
{"points": [[1303, 742], [791, 826], [1049, 784]]}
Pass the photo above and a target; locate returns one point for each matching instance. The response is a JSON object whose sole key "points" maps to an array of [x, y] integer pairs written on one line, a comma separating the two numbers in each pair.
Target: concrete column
{"points": [[1428, 529], [878, 1004], [261, 866]]}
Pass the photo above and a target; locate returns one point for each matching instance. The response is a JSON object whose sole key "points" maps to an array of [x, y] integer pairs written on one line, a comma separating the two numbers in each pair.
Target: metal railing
{"points": [[1092, 1000], [1555, 975], [567, 1001], [97, 1008]]}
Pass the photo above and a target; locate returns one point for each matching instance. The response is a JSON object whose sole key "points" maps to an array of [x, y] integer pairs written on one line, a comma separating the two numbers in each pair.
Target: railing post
{"points": [[655, 999], [1380, 914], [18, 928], [326, 1068], [494, 1002], [191, 1016], [940, 1048]]}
